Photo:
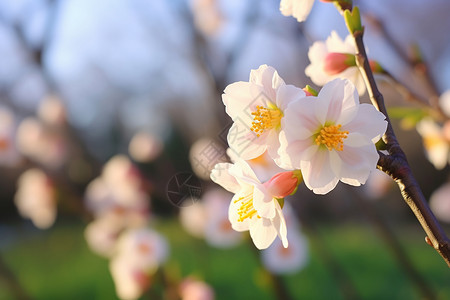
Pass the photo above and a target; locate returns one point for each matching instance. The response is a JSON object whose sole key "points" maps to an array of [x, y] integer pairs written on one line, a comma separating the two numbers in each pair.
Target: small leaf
{"points": [[353, 20], [381, 145]]}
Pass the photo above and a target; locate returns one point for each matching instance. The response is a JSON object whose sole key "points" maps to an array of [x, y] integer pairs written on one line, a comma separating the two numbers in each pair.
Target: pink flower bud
{"points": [[284, 184], [336, 63], [309, 91], [375, 67]]}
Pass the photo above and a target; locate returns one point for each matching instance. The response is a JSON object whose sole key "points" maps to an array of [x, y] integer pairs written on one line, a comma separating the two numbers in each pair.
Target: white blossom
{"points": [[318, 54], [331, 137], [257, 108]]}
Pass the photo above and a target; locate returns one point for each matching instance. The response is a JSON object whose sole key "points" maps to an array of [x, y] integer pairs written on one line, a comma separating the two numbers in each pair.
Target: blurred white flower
{"points": [[101, 235], [193, 219], [436, 146], [52, 111], [332, 59], [119, 189], [440, 203], [130, 282], [138, 255], [9, 156], [257, 109], [299, 9], [35, 198], [331, 137], [192, 289], [378, 184], [207, 16], [252, 207], [280, 260], [145, 147], [41, 143], [204, 154], [218, 230], [143, 247]]}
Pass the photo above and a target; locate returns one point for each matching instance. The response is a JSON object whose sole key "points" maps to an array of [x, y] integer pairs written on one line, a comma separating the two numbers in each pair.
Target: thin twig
{"points": [[416, 63], [396, 165]]}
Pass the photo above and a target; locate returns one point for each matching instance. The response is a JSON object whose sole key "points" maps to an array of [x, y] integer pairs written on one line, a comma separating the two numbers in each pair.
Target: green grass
{"points": [[56, 264]]}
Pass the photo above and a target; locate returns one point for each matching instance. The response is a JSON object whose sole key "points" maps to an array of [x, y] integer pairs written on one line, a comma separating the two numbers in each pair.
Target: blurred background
{"points": [[107, 105]]}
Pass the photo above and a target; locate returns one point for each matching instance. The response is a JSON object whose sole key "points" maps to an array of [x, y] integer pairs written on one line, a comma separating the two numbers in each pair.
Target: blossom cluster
{"points": [[120, 230], [319, 138]]}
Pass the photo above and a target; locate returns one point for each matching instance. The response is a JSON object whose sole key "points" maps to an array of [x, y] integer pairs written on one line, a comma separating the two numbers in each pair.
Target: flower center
{"points": [[246, 210], [432, 141], [332, 137], [265, 118]]}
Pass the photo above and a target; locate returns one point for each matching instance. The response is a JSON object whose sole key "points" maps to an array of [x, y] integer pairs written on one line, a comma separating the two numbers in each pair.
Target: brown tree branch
{"points": [[396, 165]]}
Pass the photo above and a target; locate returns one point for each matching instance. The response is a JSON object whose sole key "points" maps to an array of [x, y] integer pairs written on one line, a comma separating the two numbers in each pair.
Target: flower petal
{"points": [[368, 121], [317, 172], [239, 98], [244, 142], [354, 164], [299, 121], [263, 233], [280, 224], [268, 78], [287, 94], [291, 154], [221, 175], [329, 101], [263, 202]]}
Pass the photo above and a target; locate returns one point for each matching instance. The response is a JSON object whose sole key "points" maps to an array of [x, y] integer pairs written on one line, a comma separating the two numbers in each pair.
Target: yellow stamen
{"points": [[332, 137], [265, 118], [246, 210], [432, 141]]}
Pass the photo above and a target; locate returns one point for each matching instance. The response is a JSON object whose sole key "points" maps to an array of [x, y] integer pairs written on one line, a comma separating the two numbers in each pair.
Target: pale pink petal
{"points": [[263, 202], [244, 142], [316, 169], [238, 96], [317, 52], [299, 120], [353, 74], [242, 169], [368, 121], [287, 94], [351, 98], [262, 233], [273, 143], [292, 155], [268, 78], [334, 43], [280, 224], [301, 9], [356, 139], [221, 175], [354, 164], [329, 101]]}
